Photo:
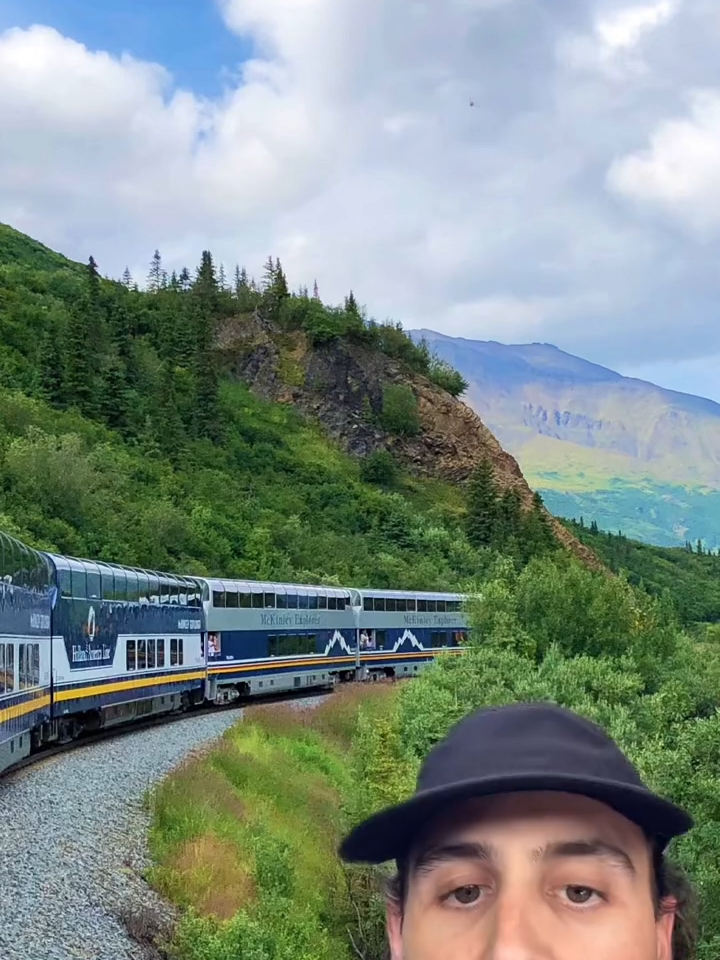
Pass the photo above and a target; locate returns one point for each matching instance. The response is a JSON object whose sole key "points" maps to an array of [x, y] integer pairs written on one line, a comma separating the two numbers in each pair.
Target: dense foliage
{"points": [[122, 437], [558, 632], [690, 575], [551, 631]]}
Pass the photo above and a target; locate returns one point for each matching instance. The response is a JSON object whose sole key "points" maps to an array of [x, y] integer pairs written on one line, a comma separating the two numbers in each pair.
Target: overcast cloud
{"points": [[577, 201]]}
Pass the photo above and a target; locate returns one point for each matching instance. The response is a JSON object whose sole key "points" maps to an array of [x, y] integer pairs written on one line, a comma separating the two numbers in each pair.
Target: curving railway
{"points": [[87, 647]]}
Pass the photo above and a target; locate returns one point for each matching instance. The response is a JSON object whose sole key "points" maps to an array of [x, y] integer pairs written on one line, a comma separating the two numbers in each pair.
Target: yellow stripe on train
{"points": [[25, 707], [98, 689]]}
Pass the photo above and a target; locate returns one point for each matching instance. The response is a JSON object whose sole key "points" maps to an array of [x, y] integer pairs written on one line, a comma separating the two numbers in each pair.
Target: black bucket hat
{"points": [[516, 748]]}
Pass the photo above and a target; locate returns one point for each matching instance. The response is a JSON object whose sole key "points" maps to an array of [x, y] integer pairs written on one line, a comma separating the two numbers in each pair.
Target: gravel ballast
{"points": [[73, 842]]}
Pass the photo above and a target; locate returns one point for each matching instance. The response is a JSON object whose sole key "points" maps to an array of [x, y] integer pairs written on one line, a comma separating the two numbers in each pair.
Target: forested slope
{"points": [[690, 575], [129, 431]]}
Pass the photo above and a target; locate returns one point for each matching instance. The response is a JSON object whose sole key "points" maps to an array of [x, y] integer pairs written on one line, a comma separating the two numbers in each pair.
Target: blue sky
{"points": [[187, 36], [576, 203]]}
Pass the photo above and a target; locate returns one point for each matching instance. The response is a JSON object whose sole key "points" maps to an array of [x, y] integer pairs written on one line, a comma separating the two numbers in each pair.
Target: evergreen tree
{"points": [[84, 344], [268, 274], [508, 517], [127, 280], [482, 506], [51, 359], [222, 279], [169, 429], [155, 276], [184, 278], [316, 292]]}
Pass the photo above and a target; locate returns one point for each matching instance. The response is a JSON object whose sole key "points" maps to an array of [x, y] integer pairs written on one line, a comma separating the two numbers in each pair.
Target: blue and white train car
{"points": [[26, 595], [126, 643], [270, 637], [401, 631]]}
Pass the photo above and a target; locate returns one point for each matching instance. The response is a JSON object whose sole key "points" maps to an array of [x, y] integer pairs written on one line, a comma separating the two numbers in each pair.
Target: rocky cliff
{"points": [[340, 384]]}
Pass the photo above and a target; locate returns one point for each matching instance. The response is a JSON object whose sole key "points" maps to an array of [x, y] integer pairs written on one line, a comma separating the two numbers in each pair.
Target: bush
{"points": [[400, 411], [379, 467]]}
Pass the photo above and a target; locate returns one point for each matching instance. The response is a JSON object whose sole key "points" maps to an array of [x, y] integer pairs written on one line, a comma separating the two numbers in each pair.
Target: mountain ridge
{"points": [[596, 442]]}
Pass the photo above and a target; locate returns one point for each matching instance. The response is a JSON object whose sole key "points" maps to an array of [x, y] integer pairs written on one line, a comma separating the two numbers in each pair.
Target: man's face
{"points": [[535, 876]]}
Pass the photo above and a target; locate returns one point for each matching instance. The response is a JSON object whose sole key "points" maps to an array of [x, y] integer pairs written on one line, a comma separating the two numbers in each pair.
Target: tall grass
{"points": [[244, 835]]}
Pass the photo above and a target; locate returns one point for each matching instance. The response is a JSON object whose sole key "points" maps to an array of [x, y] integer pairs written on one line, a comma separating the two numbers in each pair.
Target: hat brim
{"points": [[389, 834]]}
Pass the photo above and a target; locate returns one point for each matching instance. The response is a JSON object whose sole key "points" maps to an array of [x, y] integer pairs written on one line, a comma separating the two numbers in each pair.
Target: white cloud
{"points": [[613, 45], [680, 171], [348, 146]]}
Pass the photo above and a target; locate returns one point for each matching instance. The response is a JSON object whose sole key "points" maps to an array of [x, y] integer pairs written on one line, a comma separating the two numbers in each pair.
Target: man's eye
{"points": [[580, 896], [467, 895]]}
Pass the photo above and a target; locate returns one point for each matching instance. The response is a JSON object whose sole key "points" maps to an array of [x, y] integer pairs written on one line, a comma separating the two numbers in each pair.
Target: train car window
{"points": [[173, 651], [36, 664], [368, 603], [2, 667], [9, 668], [79, 583], [150, 654], [131, 586], [65, 583], [245, 600], [411, 605], [161, 652], [153, 590], [231, 599], [178, 595], [292, 601], [303, 601], [219, 599], [401, 605], [258, 601], [183, 597], [390, 604], [181, 644], [322, 603], [269, 601], [438, 639], [422, 606], [432, 606], [379, 605], [281, 601], [130, 662], [107, 583], [21, 666], [141, 654], [441, 606], [290, 645], [143, 588], [380, 639], [94, 587], [313, 602], [121, 586]]}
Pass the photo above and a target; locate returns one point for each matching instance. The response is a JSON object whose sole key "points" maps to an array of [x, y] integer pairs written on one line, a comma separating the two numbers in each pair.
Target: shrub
{"points": [[379, 467], [400, 411]]}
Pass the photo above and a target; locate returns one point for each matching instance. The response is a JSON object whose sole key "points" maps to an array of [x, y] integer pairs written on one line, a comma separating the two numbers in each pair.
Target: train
{"points": [[86, 646]]}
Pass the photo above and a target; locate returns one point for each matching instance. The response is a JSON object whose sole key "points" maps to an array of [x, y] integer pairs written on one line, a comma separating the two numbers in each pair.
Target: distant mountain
{"points": [[627, 453]]}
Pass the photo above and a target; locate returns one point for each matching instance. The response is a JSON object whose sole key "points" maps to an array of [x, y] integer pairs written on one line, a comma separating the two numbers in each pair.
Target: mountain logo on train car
{"points": [[410, 637], [339, 639]]}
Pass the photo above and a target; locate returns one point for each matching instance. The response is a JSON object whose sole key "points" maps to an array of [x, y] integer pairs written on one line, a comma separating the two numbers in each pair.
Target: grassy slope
{"points": [[244, 837]]}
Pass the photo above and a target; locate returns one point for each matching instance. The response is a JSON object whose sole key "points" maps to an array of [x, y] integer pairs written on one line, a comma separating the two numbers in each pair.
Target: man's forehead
{"points": [[556, 814]]}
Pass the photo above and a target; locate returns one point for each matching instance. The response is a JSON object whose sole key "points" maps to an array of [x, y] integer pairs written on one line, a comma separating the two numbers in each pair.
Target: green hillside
{"points": [[124, 436], [690, 577]]}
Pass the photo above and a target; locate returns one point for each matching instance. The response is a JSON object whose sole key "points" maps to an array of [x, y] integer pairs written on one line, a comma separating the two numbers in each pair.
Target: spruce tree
{"points": [[127, 280], [184, 278], [482, 506], [155, 276]]}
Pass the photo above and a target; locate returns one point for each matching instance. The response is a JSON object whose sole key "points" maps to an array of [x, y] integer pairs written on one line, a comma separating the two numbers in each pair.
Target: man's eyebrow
{"points": [[433, 856], [587, 848]]}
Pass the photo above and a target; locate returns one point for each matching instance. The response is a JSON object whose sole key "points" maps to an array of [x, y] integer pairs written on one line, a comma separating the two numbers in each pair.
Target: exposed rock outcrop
{"points": [[341, 385]]}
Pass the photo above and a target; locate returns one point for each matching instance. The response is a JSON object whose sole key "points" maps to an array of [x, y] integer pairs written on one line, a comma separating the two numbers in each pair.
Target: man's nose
{"points": [[516, 930]]}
